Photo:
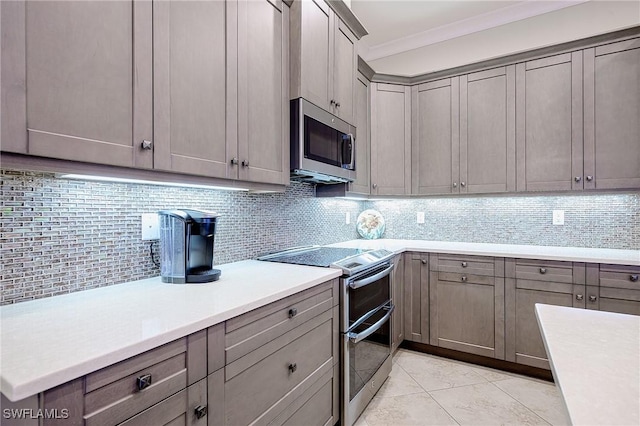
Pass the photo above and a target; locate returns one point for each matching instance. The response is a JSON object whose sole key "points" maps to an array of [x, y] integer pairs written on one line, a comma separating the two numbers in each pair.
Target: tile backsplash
{"points": [[60, 236]]}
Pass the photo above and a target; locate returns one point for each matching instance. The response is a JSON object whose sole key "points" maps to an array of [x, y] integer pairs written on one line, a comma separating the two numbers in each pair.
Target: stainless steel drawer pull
{"points": [[293, 367], [543, 270], [579, 297], [592, 299], [146, 145], [293, 312], [464, 278], [633, 278], [589, 178], [234, 161], [424, 261], [200, 411], [143, 381], [578, 178], [464, 264]]}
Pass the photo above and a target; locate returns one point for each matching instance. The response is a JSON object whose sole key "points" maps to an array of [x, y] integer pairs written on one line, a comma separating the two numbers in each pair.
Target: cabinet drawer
{"points": [[260, 326], [620, 276], [119, 400], [250, 392], [476, 265], [466, 278], [539, 270]]}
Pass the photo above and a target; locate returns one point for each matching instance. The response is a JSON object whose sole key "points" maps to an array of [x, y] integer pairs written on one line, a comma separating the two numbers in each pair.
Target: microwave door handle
{"points": [[361, 283], [353, 149], [358, 337]]}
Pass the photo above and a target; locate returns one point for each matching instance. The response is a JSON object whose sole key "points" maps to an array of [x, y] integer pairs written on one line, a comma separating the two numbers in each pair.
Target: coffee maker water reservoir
{"points": [[186, 246]]}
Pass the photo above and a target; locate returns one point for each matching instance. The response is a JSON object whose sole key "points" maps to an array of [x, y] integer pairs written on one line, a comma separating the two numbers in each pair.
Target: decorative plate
{"points": [[370, 224]]}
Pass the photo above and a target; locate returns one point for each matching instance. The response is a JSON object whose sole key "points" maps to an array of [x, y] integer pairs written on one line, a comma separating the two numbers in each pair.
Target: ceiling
{"points": [[420, 36]]}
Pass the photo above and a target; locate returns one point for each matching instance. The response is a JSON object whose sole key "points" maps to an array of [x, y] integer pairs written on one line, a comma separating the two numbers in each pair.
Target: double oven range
{"points": [[365, 312]]}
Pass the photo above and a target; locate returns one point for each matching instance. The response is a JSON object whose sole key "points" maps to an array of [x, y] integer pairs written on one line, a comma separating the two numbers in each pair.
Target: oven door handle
{"points": [[357, 337], [361, 283]]}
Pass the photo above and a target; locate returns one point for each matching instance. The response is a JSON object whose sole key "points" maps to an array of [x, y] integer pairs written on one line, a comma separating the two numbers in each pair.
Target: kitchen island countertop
{"points": [[595, 359]]}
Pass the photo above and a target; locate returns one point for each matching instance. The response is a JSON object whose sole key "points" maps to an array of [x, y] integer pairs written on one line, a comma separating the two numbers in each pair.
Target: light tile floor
{"points": [[428, 390]]}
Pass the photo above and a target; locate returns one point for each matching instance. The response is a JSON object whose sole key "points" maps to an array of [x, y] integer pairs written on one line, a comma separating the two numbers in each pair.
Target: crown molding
{"points": [[485, 21]]}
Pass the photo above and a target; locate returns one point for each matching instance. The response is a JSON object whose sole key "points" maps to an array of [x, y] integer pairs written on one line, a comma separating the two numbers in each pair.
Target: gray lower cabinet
{"points": [[416, 297], [614, 288], [282, 362], [397, 297], [78, 81], [549, 132], [390, 139], [466, 309], [611, 111], [529, 282]]}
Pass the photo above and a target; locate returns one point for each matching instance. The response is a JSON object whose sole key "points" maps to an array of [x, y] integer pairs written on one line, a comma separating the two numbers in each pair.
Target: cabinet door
{"points": [[82, 100], [549, 123], [191, 54], [313, 47], [562, 284], [390, 139], [345, 65], [362, 184], [619, 290], [435, 140], [397, 297], [467, 311], [612, 108], [487, 131], [263, 97], [416, 297]]}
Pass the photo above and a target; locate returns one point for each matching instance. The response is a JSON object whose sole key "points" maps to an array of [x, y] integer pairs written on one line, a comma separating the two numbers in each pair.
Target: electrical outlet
{"points": [[420, 217], [347, 218], [558, 217], [150, 229]]}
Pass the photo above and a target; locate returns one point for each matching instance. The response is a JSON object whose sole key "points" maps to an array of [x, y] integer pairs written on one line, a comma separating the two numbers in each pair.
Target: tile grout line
{"points": [[516, 400]]}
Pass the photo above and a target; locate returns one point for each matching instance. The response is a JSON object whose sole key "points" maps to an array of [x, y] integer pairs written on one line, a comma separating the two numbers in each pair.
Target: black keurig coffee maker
{"points": [[186, 246]]}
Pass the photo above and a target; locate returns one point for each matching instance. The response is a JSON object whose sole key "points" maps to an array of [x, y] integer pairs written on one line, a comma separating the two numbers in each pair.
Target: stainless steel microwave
{"points": [[322, 145]]}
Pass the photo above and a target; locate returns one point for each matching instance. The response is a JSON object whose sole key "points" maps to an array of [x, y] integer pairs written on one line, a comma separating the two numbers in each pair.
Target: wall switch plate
{"points": [[420, 217], [558, 217], [150, 228], [347, 218]]}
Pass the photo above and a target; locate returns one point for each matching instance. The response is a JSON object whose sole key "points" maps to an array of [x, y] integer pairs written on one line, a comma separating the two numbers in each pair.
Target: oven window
{"points": [[321, 142], [367, 298], [366, 356]]}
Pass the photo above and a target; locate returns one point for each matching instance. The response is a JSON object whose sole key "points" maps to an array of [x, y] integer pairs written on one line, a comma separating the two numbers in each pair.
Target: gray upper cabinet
{"points": [[362, 184], [464, 134], [612, 108], [435, 141], [390, 139], [323, 58], [88, 70], [549, 123], [487, 131], [263, 91], [191, 44]]}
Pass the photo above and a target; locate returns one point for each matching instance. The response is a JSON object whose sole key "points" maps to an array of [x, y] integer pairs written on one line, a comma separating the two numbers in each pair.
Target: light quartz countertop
{"points": [[570, 254], [47, 342], [595, 359]]}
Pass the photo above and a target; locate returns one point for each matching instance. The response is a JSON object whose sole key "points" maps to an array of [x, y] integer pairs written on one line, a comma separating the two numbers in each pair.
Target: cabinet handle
{"points": [[200, 411], [464, 278], [375, 185], [633, 278], [147, 145], [337, 104], [455, 184], [578, 178], [462, 184], [245, 163], [543, 270], [234, 161], [293, 367], [579, 297], [424, 261], [143, 381], [589, 178], [332, 102], [464, 264], [293, 312], [592, 299]]}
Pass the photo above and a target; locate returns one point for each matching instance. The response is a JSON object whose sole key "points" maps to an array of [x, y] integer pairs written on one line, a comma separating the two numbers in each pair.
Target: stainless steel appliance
{"points": [[186, 246], [365, 312], [322, 145]]}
